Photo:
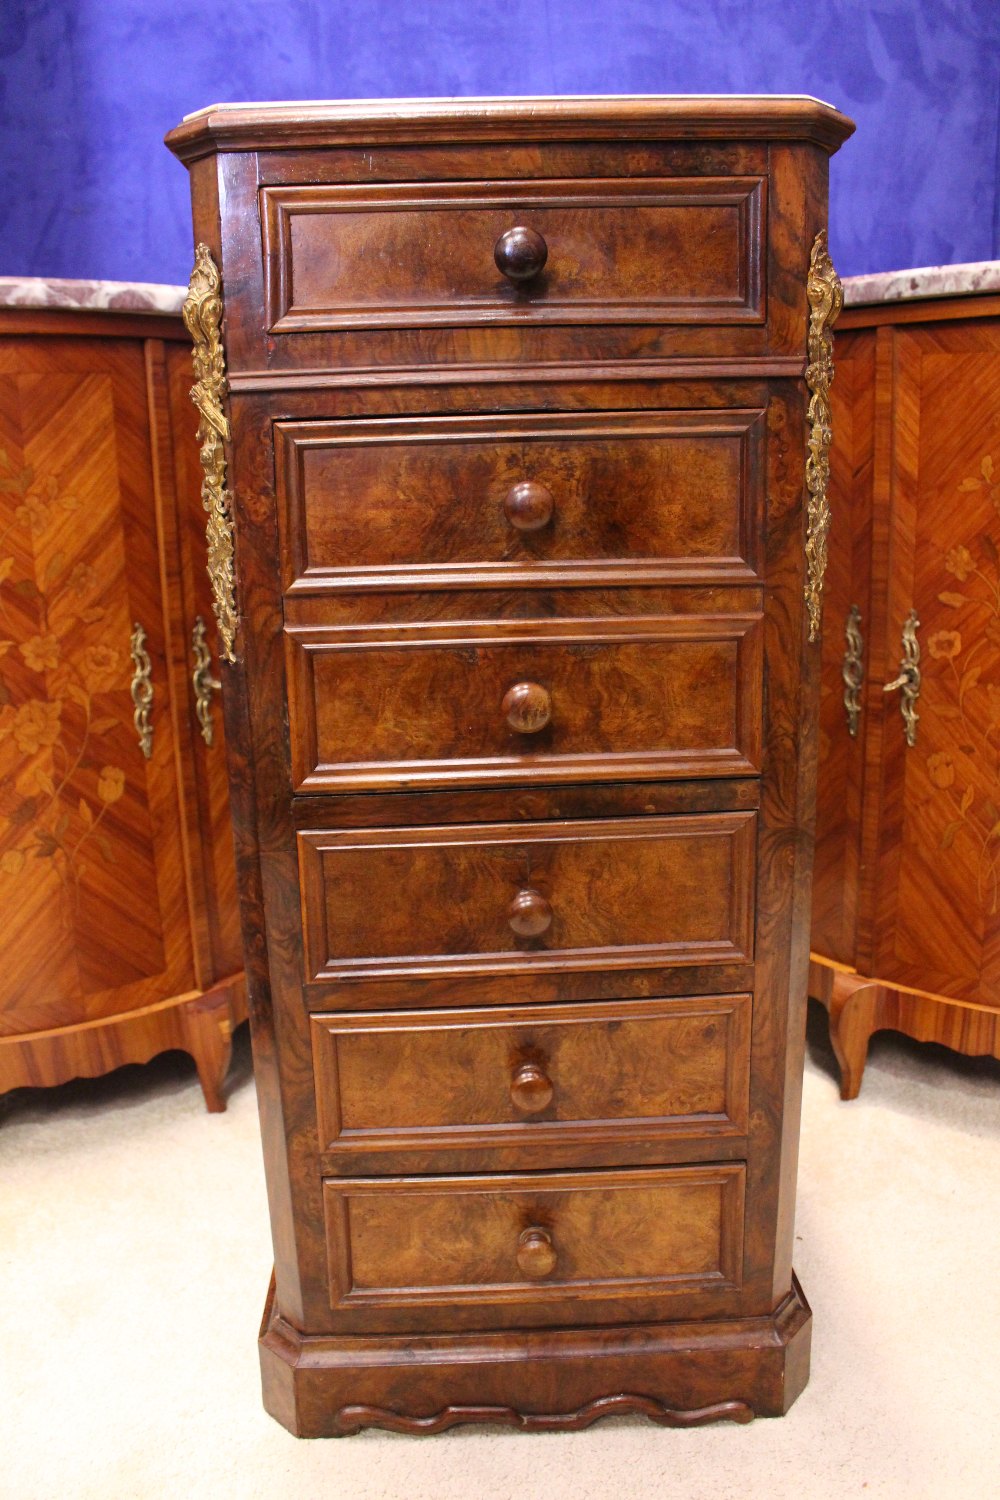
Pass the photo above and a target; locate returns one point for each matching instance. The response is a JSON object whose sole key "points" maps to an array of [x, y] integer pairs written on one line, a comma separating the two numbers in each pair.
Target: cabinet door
{"points": [[847, 628], [209, 755], [95, 920], [936, 865]]}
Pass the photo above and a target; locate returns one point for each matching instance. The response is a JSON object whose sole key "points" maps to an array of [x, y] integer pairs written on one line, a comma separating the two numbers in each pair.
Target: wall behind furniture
{"points": [[89, 87]]}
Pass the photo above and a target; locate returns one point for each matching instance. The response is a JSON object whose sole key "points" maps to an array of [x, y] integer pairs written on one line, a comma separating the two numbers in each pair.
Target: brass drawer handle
{"points": [[527, 707], [528, 506], [536, 1254], [531, 1089], [202, 681], [520, 253], [909, 678], [853, 671], [142, 690], [529, 914]]}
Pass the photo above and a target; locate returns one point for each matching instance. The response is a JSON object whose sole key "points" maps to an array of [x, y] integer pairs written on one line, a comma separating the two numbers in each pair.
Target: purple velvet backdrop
{"points": [[88, 88]]}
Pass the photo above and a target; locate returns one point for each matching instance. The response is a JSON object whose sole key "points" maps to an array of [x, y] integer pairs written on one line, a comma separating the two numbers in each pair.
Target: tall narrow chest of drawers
{"points": [[514, 426]]}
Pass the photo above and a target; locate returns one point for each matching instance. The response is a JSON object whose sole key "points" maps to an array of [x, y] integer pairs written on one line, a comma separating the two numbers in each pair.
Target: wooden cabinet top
{"points": [[245, 127]]}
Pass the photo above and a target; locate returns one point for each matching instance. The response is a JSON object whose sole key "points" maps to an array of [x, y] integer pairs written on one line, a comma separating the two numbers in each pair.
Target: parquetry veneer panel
{"points": [[906, 929], [118, 899]]}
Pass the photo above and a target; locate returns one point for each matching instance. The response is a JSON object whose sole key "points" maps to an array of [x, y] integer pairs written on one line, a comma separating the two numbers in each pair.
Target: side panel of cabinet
{"points": [[936, 922], [92, 883], [847, 596], [211, 785]]}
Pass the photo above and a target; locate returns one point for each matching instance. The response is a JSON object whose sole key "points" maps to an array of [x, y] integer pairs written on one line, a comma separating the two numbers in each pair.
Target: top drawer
{"points": [[459, 254], [676, 234]]}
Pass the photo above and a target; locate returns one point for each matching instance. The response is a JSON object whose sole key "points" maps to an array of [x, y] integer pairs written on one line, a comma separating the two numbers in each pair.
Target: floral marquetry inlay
{"points": [[90, 832], [56, 675], [80, 808]]}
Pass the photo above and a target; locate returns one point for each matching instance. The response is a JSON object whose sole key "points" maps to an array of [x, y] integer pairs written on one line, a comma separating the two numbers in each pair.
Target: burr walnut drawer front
{"points": [[590, 1239], [630, 893], [453, 702], [675, 496], [457, 254], [530, 1078]]}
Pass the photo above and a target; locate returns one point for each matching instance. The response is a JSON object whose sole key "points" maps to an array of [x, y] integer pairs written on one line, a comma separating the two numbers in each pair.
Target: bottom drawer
{"points": [[536, 1240]]}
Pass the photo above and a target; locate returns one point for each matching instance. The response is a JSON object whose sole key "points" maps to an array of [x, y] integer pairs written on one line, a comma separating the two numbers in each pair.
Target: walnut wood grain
{"points": [[299, 1269], [380, 681], [699, 120], [557, 495], [283, 1077], [797, 196], [416, 355], [481, 1251], [609, 696], [351, 1419], [432, 1083], [599, 251], [663, 891], [323, 1386]]}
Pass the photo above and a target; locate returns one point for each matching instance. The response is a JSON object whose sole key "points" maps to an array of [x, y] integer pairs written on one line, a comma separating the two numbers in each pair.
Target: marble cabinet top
{"points": [[91, 296], [977, 276]]}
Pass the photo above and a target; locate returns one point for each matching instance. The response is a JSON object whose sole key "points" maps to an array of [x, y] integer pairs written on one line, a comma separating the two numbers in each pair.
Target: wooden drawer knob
{"points": [[529, 914], [520, 253], [530, 1089], [527, 707], [536, 1253], [528, 506]]}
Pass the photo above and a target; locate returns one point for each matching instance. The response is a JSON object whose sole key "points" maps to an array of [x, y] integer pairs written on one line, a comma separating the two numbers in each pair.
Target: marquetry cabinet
{"points": [[120, 924], [906, 919], [518, 542]]}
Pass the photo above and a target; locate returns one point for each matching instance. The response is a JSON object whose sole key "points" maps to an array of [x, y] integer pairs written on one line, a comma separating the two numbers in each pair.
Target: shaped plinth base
{"points": [[539, 1380]]}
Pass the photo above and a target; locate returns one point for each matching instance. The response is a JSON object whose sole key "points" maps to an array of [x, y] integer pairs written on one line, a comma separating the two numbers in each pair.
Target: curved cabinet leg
{"points": [[201, 1024], [207, 1023], [854, 1015], [859, 1006]]}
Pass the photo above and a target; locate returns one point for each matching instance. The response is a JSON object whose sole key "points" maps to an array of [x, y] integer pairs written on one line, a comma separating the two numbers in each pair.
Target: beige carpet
{"points": [[135, 1257]]}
